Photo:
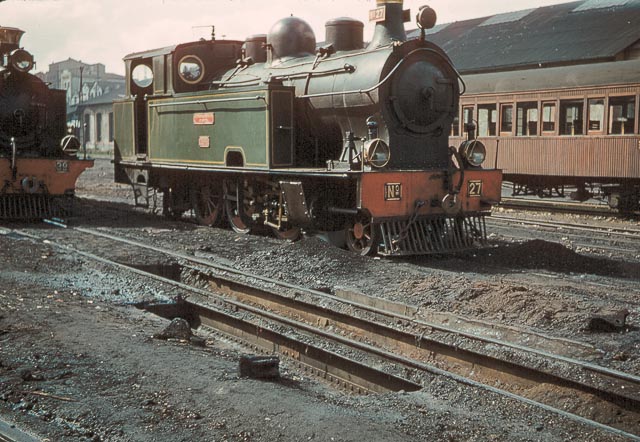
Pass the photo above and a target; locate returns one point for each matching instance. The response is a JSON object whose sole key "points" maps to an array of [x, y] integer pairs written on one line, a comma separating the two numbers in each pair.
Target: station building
{"points": [[90, 93]]}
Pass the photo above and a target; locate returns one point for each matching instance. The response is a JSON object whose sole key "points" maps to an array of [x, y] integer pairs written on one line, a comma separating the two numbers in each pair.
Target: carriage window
{"points": [[622, 115], [596, 114], [527, 119], [467, 115], [455, 126], [487, 120], [571, 114], [191, 69], [142, 75], [506, 119], [548, 117]]}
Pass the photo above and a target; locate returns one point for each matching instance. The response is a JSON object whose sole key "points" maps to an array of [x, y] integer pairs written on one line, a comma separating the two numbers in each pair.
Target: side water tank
{"points": [[255, 47], [345, 34]]}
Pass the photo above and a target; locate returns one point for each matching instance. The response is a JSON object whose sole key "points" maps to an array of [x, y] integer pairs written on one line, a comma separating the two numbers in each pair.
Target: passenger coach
{"points": [[565, 126]]}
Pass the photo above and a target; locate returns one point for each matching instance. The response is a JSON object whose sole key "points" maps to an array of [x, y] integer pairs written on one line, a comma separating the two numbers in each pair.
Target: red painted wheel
{"points": [[362, 236], [236, 207]]}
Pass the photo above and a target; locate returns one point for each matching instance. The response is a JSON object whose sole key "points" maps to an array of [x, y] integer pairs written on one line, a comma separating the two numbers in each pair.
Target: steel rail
{"points": [[10, 433], [559, 206], [354, 344], [624, 232], [394, 316]]}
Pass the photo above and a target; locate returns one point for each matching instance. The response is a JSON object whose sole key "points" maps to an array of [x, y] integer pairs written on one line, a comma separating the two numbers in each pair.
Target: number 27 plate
{"points": [[475, 188]]}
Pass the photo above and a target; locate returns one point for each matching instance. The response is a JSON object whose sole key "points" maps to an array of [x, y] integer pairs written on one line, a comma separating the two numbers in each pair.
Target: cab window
{"points": [[142, 75], [191, 69]]}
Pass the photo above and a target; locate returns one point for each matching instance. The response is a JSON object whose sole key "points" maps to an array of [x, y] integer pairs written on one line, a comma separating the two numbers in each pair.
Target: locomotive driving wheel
{"points": [[207, 204], [237, 207], [362, 237]]}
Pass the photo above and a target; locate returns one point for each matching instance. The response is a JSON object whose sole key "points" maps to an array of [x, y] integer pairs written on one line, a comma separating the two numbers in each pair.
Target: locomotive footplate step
{"points": [[297, 209]]}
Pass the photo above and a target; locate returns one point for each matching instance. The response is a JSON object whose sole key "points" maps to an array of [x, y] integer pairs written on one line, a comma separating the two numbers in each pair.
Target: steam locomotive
{"points": [[38, 161], [281, 133]]}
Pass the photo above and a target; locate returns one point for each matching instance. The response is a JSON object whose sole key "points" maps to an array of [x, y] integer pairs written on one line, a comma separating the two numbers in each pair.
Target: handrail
{"points": [[385, 79], [213, 100]]}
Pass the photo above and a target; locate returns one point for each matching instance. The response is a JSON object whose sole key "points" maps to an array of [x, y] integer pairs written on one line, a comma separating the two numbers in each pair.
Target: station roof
{"points": [[568, 33], [585, 75]]}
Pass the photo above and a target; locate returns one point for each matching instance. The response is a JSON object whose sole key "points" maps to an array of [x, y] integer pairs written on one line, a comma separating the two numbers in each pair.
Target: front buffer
{"points": [[414, 213]]}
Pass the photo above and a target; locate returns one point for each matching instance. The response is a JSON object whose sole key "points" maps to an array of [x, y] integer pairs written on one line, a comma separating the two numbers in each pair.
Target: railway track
{"points": [[615, 240], [557, 206], [377, 345], [10, 433], [624, 232]]}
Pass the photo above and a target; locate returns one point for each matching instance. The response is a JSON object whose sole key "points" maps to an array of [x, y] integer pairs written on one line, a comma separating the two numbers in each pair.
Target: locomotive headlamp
{"points": [[21, 60], [473, 152], [426, 18], [376, 153]]}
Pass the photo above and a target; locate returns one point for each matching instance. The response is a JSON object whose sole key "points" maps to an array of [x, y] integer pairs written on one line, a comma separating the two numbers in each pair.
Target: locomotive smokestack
{"points": [[9, 39], [389, 18]]}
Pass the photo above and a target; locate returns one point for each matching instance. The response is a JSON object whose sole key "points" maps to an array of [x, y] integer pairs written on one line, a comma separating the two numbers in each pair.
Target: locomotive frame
{"points": [[597, 151], [274, 132]]}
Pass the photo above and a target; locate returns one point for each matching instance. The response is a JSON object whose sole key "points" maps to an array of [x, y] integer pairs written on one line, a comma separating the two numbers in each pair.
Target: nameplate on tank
{"points": [[392, 191], [204, 119], [378, 14]]}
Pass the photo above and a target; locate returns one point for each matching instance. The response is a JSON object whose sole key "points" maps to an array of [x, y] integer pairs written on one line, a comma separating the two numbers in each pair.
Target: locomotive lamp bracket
{"points": [[325, 51]]}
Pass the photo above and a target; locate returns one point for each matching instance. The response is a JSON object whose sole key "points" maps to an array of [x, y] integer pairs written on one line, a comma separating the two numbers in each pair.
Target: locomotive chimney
{"points": [[9, 39], [390, 19]]}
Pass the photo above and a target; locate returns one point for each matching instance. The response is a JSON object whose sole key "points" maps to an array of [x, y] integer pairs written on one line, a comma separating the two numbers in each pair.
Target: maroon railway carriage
{"points": [[566, 126]]}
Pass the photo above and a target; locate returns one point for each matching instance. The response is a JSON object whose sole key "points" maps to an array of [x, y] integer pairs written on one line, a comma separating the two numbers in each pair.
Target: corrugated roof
{"points": [[550, 35], [586, 75], [106, 98]]}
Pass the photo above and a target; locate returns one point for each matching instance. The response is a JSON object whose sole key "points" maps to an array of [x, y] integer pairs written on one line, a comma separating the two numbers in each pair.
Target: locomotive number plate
{"points": [[392, 191], [378, 14], [475, 188], [62, 166]]}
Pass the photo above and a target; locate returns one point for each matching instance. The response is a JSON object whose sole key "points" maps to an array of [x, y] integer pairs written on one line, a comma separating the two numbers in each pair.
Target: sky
{"points": [[104, 31]]}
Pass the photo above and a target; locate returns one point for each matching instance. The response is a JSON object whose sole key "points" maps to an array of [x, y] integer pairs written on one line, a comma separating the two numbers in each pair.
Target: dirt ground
{"points": [[78, 362]]}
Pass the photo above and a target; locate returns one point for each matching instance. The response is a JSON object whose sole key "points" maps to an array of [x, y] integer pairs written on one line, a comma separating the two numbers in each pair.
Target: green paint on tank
{"points": [[201, 128]]}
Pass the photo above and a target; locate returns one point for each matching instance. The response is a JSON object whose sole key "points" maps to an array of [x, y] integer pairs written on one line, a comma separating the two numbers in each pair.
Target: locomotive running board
{"points": [[432, 235]]}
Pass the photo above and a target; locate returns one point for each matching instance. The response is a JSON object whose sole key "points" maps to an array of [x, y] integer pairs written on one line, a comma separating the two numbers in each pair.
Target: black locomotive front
{"points": [[38, 165]]}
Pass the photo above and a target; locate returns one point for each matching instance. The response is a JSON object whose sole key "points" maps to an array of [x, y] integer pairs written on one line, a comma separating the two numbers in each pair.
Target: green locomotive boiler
{"points": [[279, 132]]}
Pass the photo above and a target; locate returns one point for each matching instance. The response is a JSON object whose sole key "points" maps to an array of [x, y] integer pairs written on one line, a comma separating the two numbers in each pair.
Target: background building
{"points": [[90, 93]]}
